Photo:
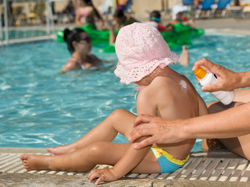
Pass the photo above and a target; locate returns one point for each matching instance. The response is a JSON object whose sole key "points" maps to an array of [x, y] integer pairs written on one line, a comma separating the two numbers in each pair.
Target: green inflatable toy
{"points": [[97, 36], [182, 35]]}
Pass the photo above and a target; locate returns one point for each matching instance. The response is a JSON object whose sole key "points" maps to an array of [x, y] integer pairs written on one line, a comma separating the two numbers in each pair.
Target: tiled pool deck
{"points": [[204, 169], [220, 168]]}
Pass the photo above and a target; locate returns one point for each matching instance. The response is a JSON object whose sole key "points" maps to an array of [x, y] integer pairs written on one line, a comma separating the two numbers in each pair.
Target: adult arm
{"points": [[70, 65], [101, 60], [226, 80], [230, 123]]}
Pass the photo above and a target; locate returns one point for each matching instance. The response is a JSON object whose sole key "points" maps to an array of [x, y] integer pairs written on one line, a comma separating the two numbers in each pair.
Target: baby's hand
{"points": [[106, 174]]}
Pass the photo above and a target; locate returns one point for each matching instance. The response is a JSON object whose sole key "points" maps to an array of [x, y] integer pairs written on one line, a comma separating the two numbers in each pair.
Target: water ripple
{"points": [[40, 107]]}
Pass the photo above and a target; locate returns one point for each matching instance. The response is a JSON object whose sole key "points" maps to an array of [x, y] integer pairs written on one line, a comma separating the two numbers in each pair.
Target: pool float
{"points": [[182, 35], [97, 36]]}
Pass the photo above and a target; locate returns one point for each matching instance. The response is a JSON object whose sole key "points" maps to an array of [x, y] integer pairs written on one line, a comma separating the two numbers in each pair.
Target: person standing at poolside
{"points": [[228, 124], [87, 13], [144, 57]]}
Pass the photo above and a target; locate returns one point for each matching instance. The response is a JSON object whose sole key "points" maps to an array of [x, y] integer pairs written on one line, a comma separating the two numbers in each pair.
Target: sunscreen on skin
{"points": [[207, 77]]}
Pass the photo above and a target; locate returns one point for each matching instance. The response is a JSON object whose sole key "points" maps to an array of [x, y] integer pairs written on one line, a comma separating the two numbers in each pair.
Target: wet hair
{"points": [[119, 14], [155, 16], [70, 36]]}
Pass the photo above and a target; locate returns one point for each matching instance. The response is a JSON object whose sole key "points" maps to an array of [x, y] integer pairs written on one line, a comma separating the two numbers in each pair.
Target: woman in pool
{"points": [[79, 44], [144, 57]]}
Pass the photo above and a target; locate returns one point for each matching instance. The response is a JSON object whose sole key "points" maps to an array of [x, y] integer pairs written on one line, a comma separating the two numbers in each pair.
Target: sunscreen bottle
{"points": [[207, 77]]}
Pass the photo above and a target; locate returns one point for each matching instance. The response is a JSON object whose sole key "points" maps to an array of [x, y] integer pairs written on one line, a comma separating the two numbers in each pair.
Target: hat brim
{"points": [[135, 74]]}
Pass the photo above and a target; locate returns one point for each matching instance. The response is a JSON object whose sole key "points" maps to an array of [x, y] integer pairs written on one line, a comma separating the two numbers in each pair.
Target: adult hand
{"points": [[158, 130], [226, 80], [106, 174]]}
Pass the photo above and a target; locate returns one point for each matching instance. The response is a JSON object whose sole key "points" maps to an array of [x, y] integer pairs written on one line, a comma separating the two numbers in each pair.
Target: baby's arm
{"points": [[127, 163], [132, 156]]}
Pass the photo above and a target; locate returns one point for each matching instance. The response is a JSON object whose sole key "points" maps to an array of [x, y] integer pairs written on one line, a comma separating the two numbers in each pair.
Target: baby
{"points": [[144, 57]]}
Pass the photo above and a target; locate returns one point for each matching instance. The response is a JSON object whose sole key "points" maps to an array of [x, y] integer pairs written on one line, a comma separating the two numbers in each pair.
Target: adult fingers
{"points": [[208, 65], [197, 79], [145, 142], [140, 131], [203, 62], [212, 87], [141, 118]]}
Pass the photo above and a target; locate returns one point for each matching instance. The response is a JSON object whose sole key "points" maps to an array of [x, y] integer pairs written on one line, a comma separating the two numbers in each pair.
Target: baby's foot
{"points": [[60, 150], [35, 162]]}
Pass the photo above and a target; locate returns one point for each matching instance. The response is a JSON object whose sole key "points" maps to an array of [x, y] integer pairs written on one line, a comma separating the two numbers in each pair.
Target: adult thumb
{"points": [[210, 88]]}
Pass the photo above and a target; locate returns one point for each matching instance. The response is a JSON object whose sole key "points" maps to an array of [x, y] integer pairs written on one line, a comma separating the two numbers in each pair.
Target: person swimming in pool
{"points": [[79, 45], [144, 57]]}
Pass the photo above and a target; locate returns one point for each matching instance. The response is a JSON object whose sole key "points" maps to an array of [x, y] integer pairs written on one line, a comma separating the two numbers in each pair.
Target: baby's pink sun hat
{"points": [[140, 49]]}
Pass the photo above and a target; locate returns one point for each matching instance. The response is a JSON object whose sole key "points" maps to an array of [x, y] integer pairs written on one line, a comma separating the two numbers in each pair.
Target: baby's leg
{"points": [[86, 159], [119, 120], [80, 161]]}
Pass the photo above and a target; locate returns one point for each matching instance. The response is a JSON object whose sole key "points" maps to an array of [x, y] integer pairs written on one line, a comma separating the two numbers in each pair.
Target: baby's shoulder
{"points": [[162, 83], [159, 86]]}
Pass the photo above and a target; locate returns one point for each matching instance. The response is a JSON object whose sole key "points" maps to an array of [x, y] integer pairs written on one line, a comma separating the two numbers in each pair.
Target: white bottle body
{"points": [[226, 97]]}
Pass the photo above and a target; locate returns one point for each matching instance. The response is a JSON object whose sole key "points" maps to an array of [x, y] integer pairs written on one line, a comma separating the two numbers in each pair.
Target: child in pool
{"points": [[155, 21], [144, 57]]}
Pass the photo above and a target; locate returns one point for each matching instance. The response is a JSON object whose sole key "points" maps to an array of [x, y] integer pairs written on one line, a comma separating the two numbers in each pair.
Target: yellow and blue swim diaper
{"points": [[167, 162]]}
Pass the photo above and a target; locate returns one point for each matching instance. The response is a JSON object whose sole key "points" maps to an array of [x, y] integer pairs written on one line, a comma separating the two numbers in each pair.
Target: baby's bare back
{"points": [[174, 97]]}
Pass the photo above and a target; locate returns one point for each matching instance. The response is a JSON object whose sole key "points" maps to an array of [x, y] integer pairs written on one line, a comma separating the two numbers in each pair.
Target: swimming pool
{"points": [[40, 107]]}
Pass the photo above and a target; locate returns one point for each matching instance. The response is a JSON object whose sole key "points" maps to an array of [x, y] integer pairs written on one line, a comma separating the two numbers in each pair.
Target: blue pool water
{"points": [[40, 107]]}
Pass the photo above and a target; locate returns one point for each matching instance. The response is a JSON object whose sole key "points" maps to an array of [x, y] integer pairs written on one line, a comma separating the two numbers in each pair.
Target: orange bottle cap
{"points": [[200, 73]]}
